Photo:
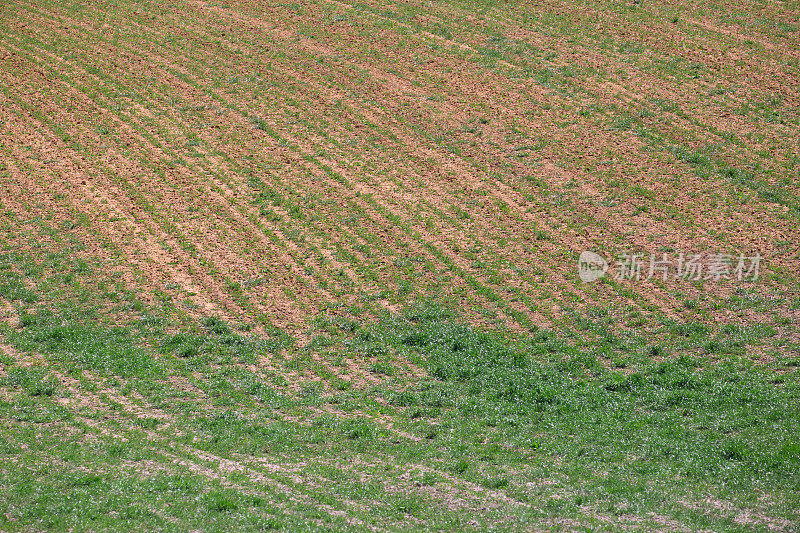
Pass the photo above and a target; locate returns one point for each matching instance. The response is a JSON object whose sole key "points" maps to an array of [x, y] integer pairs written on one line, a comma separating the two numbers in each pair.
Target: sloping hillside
{"points": [[315, 264]]}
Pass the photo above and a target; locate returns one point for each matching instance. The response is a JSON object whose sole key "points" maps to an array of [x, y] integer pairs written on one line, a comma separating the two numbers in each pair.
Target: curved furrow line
{"points": [[192, 291], [741, 234], [659, 34], [72, 168], [349, 187], [570, 280], [708, 116], [31, 170], [222, 203], [80, 186], [163, 247], [508, 190]]}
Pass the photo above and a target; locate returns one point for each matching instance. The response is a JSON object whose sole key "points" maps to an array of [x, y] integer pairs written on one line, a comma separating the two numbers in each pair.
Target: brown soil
{"points": [[401, 143]]}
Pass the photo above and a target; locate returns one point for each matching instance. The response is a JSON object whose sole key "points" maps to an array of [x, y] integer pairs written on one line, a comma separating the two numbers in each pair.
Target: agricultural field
{"points": [[319, 265]]}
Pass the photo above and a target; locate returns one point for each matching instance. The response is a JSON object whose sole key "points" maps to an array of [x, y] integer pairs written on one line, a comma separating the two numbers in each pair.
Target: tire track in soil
{"points": [[83, 185], [362, 189], [207, 465], [426, 235], [217, 292], [262, 471], [201, 462], [262, 465], [324, 50], [440, 244]]}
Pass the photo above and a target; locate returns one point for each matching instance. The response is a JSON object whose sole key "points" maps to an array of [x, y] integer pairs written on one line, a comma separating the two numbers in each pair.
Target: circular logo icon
{"points": [[591, 266]]}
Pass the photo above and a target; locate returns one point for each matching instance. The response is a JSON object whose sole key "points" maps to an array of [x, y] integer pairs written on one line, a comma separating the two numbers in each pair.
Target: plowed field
{"points": [[315, 264]]}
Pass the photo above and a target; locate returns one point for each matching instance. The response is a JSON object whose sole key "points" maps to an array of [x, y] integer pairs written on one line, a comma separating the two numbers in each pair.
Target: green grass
{"points": [[34, 381], [307, 181], [541, 419]]}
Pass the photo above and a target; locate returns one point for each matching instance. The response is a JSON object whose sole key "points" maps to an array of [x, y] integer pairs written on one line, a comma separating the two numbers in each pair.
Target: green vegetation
{"points": [[311, 265], [181, 433]]}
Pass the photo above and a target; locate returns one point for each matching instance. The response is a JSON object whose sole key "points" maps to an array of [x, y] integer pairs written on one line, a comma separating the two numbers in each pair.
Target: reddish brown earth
{"points": [[405, 150]]}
